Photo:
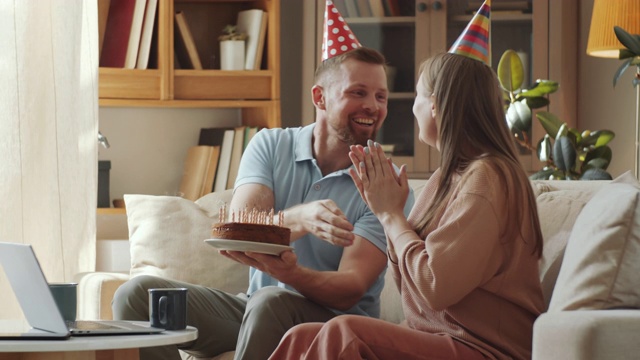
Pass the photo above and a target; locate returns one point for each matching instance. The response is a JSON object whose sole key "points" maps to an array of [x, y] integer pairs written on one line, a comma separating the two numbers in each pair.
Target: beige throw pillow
{"points": [[167, 236], [602, 258], [557, 210]]}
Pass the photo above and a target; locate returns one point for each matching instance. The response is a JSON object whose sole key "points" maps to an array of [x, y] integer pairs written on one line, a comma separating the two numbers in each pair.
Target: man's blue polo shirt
{"points": [[282, 159]]}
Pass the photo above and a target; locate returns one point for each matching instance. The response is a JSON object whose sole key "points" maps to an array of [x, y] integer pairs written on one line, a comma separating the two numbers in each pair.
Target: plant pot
{"points": [[232, 55]]}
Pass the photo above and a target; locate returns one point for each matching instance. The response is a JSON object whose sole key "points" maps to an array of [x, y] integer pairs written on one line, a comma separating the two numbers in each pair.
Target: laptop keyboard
{"points": [[90, 325]]}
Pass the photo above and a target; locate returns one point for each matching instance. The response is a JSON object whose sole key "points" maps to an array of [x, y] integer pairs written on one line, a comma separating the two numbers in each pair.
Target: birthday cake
{"points": [[254, 225], [262, 233]]}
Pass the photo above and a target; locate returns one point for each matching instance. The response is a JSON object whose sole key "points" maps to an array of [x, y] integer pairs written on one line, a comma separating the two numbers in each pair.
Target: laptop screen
{"points": [[31, 288]]}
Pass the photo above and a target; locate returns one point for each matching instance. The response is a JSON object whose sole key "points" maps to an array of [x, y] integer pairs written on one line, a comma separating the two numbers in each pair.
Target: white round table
{"points": [[119, 347]]}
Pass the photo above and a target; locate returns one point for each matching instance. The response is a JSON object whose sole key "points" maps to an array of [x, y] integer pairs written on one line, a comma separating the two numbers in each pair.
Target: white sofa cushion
{"points": [[557, 210], [167, 234], [600, 268]]}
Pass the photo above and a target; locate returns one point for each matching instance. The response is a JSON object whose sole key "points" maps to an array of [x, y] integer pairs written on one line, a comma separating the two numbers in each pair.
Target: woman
{"points": [[466, 259]]}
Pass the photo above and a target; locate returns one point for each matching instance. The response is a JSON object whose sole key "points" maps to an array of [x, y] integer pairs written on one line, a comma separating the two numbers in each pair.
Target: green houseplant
{"points": [[567, 153], [230, 32], [630, 54]]}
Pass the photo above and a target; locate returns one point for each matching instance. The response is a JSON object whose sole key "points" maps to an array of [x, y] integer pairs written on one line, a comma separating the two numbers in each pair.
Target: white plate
{"points": [[239, 245]]}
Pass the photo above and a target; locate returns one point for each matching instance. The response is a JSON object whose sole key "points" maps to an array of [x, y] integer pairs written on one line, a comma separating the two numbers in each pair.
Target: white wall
{"points": [[600, 105], [149, 145]]}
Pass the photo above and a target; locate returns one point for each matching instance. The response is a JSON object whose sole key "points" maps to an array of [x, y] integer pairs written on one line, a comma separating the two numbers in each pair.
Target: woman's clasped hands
{"points": [[384, 190]]}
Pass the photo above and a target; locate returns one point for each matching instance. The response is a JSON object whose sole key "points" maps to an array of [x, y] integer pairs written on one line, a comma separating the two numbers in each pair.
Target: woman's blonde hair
{"points": [[472, 126]]}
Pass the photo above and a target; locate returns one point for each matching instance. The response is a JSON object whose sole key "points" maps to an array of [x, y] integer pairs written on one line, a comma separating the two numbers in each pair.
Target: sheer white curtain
{"points": [[48, 134]]}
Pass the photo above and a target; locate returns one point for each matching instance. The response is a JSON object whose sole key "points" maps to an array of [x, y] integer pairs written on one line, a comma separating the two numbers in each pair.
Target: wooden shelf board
{"points": [[111, 211], [129, 83], [223, 73], [497, 16], [388, 20], [223, 85], [240, 104]]}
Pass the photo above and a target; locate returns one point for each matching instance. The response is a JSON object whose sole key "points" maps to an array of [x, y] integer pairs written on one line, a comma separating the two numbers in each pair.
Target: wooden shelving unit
{"points": [[257, 92]]}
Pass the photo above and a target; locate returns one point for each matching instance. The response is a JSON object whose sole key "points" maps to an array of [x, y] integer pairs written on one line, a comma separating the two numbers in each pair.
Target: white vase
{"points": [[232, 55]]}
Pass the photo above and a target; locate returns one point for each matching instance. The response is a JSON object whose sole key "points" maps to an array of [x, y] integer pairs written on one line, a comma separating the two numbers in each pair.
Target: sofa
{"points": [[591, 228]]}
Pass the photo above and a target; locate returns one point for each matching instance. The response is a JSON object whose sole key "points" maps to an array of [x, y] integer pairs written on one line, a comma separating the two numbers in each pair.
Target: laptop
{"points": [[39, 307]]}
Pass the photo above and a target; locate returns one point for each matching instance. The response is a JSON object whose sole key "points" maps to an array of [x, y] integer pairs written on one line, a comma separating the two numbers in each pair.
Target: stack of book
{"points": [[126, 29], [213, 164]]}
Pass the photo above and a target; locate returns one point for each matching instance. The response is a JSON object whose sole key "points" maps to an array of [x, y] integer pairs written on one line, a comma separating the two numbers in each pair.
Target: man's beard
{"points": [[346, 135]]}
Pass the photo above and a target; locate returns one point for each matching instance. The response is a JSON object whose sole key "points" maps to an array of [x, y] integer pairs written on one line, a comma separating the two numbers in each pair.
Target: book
{"points": [[185, 46], [116, 33], [377, 9], [195, 167], [261, 39], [103, 15], [212, 136], [250, 22], [215, 137], [222, 173], [392, 7], [134, 34], [364, 10], [352, 9], [210, 173], [147, 34], [249, 132], [236, 155]]}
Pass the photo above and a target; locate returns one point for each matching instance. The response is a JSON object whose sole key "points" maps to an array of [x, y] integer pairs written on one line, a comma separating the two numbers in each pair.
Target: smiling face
{"points": [[354, 97]]}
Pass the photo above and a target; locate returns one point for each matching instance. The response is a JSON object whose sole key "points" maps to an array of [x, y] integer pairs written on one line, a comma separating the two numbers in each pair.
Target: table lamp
{"points": [[604, 43]]}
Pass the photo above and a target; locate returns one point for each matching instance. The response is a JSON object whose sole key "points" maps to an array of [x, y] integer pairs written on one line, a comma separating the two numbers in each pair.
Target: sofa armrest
{"points": [[390, 302], [587, 335], [95, 293]]}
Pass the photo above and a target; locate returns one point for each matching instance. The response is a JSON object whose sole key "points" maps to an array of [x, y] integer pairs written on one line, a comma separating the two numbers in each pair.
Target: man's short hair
{"points": [[363, 54]]}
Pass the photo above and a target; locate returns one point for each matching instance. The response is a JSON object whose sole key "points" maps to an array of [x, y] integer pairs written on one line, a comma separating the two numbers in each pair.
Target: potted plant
{"points": [[567, 153], [232, 45]]}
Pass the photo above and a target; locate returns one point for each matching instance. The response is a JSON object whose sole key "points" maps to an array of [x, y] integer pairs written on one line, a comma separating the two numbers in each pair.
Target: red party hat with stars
{"points": [[337, 37], [475, 40]]}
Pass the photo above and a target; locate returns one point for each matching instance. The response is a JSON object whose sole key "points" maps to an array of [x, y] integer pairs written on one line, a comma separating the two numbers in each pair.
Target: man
{"points": [[339, 256]]}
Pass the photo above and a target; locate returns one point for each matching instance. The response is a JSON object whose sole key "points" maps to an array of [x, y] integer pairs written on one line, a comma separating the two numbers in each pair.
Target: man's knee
{"points": [[272, 296], [271, 302], [132, 297], [135, 286]]}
